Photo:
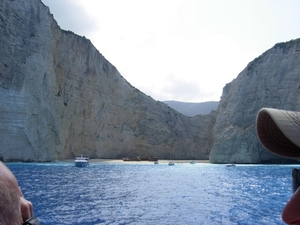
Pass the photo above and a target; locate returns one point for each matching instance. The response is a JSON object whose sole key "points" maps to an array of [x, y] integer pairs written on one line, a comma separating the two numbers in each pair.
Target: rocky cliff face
{"points": [[60, 97], [271, 80]]}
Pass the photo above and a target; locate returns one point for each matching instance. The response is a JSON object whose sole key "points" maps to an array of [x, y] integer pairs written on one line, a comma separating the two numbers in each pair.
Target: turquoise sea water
{"points": [[105, 193]]}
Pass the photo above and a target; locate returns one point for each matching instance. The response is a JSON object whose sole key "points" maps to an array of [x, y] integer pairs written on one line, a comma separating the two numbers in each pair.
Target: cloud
{"points": [[183, 90], [70, 15], [178, 88]]}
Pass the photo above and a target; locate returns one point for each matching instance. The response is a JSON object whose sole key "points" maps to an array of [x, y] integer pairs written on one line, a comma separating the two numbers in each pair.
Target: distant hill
{"points": [[193, 109]]}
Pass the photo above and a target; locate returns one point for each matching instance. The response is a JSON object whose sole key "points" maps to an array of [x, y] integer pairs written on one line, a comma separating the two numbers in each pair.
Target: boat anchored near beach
{"points": [[171, 164], [81, 161], [230, 165]]}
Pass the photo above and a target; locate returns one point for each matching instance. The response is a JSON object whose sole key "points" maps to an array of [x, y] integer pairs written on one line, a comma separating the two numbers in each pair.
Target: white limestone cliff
{"points": [[271, 80]]}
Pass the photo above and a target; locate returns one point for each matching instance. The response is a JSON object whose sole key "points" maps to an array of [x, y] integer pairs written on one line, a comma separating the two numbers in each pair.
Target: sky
{"points": [[183, 50]]}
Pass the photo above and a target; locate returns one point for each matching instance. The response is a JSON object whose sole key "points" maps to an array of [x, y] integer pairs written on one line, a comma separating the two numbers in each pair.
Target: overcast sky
{"points": [[185, 50]]}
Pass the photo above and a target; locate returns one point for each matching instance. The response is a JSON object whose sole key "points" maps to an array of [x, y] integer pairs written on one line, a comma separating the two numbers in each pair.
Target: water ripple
{"points": [[155, 194]]}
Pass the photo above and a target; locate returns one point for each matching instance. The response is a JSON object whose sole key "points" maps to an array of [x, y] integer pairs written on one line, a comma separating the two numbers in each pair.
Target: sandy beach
{"points": [[143, 162], [163, 161]]}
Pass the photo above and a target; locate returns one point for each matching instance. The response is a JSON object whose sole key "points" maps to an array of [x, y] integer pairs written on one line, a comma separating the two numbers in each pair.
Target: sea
{"points": [[144, 193]]}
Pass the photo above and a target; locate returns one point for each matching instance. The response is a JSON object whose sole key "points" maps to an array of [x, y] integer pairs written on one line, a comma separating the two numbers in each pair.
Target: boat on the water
{"points": [[81, 161], [230, 165], [170, 162], [139, 158]]}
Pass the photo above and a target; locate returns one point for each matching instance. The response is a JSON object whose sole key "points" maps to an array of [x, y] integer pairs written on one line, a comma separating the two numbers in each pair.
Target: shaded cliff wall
{"points": [[271, 80], [60, 97]]}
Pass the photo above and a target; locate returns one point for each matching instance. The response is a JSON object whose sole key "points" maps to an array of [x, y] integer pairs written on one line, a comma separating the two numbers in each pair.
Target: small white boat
{"points": [[155, 162], [81, 161], [192, 162], [230, 165], [170, 162]]}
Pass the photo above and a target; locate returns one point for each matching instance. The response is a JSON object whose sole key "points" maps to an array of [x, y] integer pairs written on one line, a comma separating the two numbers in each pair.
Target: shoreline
{"points": [[117, 161], [163, 161]]}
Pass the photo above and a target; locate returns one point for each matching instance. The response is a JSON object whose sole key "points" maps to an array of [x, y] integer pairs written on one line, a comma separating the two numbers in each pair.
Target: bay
{"points": [[136, 193]]}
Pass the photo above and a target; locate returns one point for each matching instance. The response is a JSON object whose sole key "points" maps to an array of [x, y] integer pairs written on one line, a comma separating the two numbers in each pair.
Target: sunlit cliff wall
{"points": [[271, 80]]}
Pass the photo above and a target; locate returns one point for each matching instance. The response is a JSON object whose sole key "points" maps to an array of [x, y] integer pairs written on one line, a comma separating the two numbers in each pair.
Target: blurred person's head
{"points": [[10, 193]]}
